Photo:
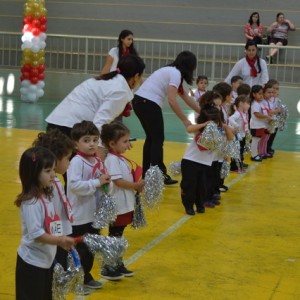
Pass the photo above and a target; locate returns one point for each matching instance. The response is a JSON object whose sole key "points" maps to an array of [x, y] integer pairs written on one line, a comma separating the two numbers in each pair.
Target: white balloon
{"points": [[27, 36], [36, 40], [41, 84], [27, 44], [23, 90], [40, 93], [25, 83], [42, 45], [35, 48], [32, 88], [32, 97], [43, 36]]}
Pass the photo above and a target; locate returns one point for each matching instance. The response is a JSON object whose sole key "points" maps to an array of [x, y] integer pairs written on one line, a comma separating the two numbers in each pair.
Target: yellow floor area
{"points": [[246, 248]]}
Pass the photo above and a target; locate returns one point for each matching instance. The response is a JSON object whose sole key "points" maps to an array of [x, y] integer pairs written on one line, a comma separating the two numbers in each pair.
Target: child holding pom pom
{"points": [[115, 136]]}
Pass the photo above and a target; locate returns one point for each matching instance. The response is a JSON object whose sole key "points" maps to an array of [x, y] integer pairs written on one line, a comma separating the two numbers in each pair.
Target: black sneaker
{"points": [[223, 188], [93, 284], [190, 211], [168, 180], [123, 270], [110, 273]]}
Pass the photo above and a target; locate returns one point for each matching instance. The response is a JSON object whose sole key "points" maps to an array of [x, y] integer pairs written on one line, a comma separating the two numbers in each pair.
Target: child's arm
{"points": [[228, 131], [261, 116], [63, 241], [128, 185], [195, 128], [275, 111]]}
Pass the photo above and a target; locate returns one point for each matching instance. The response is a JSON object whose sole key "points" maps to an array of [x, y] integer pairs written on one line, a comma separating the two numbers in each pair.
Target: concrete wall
{"points": [[58, 85]]}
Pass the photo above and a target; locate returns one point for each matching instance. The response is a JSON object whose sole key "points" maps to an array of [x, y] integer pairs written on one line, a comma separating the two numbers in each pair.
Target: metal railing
{"points": [[70, 53]]}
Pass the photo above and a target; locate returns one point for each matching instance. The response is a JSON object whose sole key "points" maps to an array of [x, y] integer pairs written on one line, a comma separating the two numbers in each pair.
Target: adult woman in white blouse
{"points": [[251, 68], [99, 99], [164, 84], [125, 47]]}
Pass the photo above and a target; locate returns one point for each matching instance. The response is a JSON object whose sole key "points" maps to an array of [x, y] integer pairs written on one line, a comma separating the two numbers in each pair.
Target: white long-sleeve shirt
{"points": [[98, 101], [242, 68]]}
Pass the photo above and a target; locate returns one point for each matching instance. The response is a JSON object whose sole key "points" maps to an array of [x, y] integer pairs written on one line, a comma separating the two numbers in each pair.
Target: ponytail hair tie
{"points": [[118, 70]]}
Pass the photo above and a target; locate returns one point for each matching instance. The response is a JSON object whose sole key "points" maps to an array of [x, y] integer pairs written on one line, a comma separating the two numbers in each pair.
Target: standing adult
{"points": [[279, 34], [253, 30], [251, 68], [124, 48], [164, 83], [99, 99]]}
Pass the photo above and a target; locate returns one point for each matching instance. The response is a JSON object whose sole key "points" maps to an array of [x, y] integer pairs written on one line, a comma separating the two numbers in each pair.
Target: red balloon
{"points": [[30, 19], [41, 68], [34, 72], [27, 27], [26, 75], [27, 67], [35, 31], [41, 76], [34, 80], [43, 19], [43, 28], [36, 23]]}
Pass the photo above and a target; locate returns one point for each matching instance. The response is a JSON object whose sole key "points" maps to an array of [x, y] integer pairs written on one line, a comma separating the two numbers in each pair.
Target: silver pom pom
{"points": [[210, 137], [154, 184], [110, 248], [273, 124], [224, 172], [283, 117], [138, 215], [175, 168], [106, 211], [70, 280], [248, 139]]}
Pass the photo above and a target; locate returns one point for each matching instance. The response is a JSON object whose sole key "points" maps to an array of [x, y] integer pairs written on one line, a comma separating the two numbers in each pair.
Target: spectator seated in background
{"points": [[254, 29]]}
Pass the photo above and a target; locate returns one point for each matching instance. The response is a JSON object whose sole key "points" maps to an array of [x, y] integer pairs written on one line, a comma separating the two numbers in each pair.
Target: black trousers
{"points": [[271, 140], [86, 257], [213, 179], [33, 283], [151, 118], [194, 185]]}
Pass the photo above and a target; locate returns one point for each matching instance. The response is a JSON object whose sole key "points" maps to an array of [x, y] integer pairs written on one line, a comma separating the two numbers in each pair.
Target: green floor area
{"points": [[17, 114]]}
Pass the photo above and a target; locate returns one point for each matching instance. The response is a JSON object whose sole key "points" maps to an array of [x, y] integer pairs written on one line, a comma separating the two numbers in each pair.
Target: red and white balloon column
{"points": [[33, 53]]}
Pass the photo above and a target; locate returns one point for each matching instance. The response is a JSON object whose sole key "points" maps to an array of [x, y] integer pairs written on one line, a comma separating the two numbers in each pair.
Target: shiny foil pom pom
{"points": [[110, 248], [175, 168], [70, 280], [210, 137], [283, 117], [106, 212], [154, 184], [139, 220], [224, 172]]}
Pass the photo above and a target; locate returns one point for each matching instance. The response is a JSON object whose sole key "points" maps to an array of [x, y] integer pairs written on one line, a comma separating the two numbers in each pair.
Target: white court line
{"points": [[180, 222]]}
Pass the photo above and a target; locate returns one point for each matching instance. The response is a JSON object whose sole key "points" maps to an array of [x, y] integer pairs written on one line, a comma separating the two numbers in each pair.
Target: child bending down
{"points": [[115, 137]]}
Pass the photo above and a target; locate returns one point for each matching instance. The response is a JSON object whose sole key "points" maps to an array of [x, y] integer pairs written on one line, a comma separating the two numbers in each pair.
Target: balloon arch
{"points": [[33, 50]]}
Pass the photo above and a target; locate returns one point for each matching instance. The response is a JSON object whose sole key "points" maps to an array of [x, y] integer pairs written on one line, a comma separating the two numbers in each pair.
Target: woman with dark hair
{"points": [[124, 48], [99, 99], [164, 83], [253, 29], [279, 34], [251, 68]]}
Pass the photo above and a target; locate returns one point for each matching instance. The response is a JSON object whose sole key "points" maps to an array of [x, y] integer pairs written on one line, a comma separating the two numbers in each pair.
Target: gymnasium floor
{"points": [[247, 248]]}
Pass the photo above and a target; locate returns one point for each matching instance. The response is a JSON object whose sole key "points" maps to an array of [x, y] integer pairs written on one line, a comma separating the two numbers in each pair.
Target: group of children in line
{"points": [[242, 113], [52, 218]]}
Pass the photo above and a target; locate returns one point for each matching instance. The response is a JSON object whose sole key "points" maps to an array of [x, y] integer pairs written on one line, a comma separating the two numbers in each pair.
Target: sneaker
{"points": [[110, 273], [201, 210], [223, 188], [209, 204], [216, 197], [245, 166], [269, 155], [190, 211], [93, 284], [83, 291], [256, 158], [215, 202], [168, 180], [123, 270]]}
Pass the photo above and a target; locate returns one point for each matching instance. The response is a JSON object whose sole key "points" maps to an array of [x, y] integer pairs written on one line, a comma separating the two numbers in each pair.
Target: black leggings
{"points": [[151, 118]]}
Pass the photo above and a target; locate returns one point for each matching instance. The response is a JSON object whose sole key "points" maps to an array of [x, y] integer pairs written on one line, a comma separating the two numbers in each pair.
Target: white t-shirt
{"points": [[114, 53], [256, 123], [193, 153], [155, 87], [120, 168], [239, 120], [33, 226], [81, 189], [242, 68], [59, 207], [99, 101]]}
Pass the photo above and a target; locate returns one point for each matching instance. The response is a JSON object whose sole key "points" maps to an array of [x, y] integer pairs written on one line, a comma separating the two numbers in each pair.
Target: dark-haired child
{"points": [[85, 177]]}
